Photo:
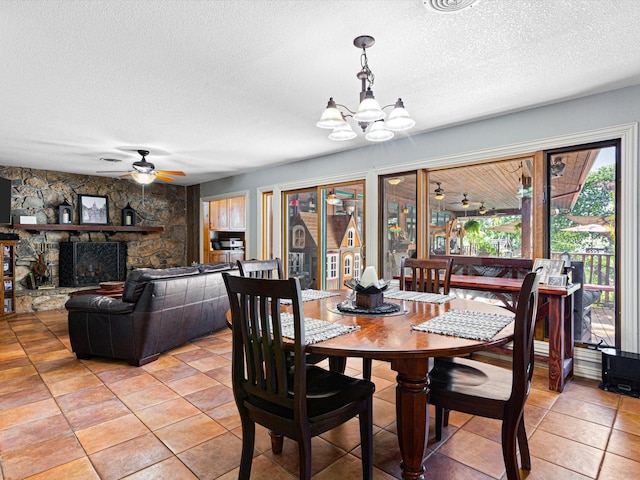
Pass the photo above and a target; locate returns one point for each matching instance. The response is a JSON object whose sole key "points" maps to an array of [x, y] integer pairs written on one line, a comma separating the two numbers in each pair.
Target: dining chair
{"points": [[261, 268], [300, 402], [478, 388], [428, 275]]}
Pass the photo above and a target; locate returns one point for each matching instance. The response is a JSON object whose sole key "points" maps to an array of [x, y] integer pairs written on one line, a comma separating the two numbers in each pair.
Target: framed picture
{"points": [[93, 210], [550, 268], [557, 281]]}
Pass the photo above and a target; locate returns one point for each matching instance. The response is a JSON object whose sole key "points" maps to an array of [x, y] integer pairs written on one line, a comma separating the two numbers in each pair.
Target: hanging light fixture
{"points": [[369, 115], [438, 193], [482, 210], [465, 201]]}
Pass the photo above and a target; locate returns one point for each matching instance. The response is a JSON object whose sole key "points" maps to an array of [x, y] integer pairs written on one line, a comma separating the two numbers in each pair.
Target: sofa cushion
{"points": [[138, 278], [99, 304], [216, 267]]}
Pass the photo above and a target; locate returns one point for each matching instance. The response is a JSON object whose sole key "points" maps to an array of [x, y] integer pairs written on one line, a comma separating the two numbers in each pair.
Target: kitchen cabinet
{"points": [[227, 214], [229, 256]]}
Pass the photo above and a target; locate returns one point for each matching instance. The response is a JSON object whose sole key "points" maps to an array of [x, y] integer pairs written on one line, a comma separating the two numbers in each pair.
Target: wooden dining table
{"points": [[391, 338], [557, 307]]}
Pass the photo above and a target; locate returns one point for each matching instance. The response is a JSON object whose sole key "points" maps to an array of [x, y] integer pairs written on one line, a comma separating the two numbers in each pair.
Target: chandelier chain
{"points": [[365, 67]]}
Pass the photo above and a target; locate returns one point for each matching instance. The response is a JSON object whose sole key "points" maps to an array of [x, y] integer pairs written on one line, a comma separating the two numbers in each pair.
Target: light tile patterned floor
{"points": [[175, 419]]}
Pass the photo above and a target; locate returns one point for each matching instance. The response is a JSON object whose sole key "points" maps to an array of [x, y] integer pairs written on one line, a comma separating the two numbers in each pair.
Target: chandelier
{"points": [[370, 116]]}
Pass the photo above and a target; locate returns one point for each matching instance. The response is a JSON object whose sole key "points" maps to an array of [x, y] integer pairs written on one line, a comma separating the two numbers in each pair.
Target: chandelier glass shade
{"points": [[369, 114]]}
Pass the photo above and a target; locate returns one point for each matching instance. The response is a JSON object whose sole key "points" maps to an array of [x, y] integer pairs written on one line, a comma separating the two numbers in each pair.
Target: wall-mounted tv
{"points": [[5, 201]]}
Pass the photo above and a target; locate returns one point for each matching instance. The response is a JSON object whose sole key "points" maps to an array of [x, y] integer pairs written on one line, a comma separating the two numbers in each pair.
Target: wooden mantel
{"points": [[39, 227]]}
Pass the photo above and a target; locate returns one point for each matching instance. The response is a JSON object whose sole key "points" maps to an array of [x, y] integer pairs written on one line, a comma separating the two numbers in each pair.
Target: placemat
{"points": [[466, 324], [309, 294], [418, 296], [314, 330]]}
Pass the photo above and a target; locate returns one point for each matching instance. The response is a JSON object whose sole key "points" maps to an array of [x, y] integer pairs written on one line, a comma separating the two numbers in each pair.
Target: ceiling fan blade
{"points": [[171, 172], [125, 175], [112, 171], [159, 176]]}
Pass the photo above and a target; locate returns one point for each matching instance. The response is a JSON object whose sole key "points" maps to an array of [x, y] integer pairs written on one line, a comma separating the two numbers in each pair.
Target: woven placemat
{"points": [[466, 324], [309, 294], [314, 330], [418, 296]]}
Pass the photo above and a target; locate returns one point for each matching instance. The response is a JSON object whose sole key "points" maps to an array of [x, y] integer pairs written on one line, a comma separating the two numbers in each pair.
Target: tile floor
{"points": [[175, 419]]}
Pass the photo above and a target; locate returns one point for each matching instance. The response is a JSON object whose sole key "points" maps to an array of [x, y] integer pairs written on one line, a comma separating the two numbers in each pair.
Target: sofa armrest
{"points": [[99, 304]]}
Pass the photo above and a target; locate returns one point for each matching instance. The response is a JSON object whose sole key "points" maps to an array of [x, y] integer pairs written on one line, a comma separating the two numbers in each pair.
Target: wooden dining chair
{"points": [[299, 402], [261, 268], [427, 275], [478, 388]]}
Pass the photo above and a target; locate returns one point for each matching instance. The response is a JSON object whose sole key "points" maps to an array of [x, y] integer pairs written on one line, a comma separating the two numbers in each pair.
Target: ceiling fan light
{"points": [[143, 178], [482, 210], [331, 117], [399, 119], [342, 133], [439, 196], [377, 133], [369, 109]]}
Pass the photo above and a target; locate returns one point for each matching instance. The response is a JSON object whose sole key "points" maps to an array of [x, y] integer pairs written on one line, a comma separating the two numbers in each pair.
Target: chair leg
{"points": [[277, 441], [440, 413], [509, 448], [523, 443], [248, 440], [304, 457], [337, 364], [366, 368], [366, 440]]}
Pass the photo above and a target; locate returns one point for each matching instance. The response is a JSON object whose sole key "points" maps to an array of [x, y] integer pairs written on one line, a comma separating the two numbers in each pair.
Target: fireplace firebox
{"points": [[89, 263]]}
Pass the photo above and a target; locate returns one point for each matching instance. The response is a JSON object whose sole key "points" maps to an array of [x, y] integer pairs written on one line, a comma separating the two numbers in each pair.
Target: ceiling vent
{"points": [[449, 6]]}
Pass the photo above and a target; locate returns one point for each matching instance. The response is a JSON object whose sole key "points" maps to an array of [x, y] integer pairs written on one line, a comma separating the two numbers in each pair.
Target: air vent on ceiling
{"points": [[448, 6], [112, 160]]}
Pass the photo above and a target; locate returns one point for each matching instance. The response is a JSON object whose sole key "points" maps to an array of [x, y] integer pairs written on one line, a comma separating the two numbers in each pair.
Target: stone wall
{"points": [[39, 193]]}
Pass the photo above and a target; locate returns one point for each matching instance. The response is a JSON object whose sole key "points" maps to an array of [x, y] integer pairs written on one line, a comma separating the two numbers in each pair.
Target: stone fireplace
{"points": [[85, 264]]}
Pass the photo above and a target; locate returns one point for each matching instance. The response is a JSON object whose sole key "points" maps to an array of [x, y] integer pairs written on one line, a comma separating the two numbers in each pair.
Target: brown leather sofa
{"points": [[160, 309]]}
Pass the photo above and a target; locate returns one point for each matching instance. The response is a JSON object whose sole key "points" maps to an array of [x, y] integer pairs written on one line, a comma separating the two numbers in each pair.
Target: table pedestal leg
{"points": [[412, 413]]}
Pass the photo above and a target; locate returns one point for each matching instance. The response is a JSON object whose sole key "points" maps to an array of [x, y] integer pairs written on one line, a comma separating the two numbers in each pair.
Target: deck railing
{"points": [[599, 273]]}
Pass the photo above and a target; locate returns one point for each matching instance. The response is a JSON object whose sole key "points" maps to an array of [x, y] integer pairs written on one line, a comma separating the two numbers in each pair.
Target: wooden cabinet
{"points": [[227, 214], [236, 208], [229, 256], [8, 290]]}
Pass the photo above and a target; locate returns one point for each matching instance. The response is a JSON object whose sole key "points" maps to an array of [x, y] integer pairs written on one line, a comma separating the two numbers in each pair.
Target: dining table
{"points": [[392, 337]]}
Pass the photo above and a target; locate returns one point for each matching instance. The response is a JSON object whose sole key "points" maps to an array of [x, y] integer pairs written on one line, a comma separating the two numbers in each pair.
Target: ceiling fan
{"points": [[144, 172], [465, 202], [438, 193]]}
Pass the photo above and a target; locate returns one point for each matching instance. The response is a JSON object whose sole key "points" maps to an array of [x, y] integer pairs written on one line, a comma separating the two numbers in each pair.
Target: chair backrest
{"points": [[261, 268], [523, 352], [427, 274], [259, 360]]}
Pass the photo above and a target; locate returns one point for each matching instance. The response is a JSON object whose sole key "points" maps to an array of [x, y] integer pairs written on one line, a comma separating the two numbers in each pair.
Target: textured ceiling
{"points": [[214, 88]]}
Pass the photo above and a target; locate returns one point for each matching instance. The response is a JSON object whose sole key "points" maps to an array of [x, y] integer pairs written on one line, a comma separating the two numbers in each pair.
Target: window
{"points": [[351, 235], [298, 237], [356, 266], [348, 260], [332, 265]]}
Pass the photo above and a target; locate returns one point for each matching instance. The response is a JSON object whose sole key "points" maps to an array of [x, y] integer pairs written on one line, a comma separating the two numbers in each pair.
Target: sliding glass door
{"points": [[324, 234]]}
